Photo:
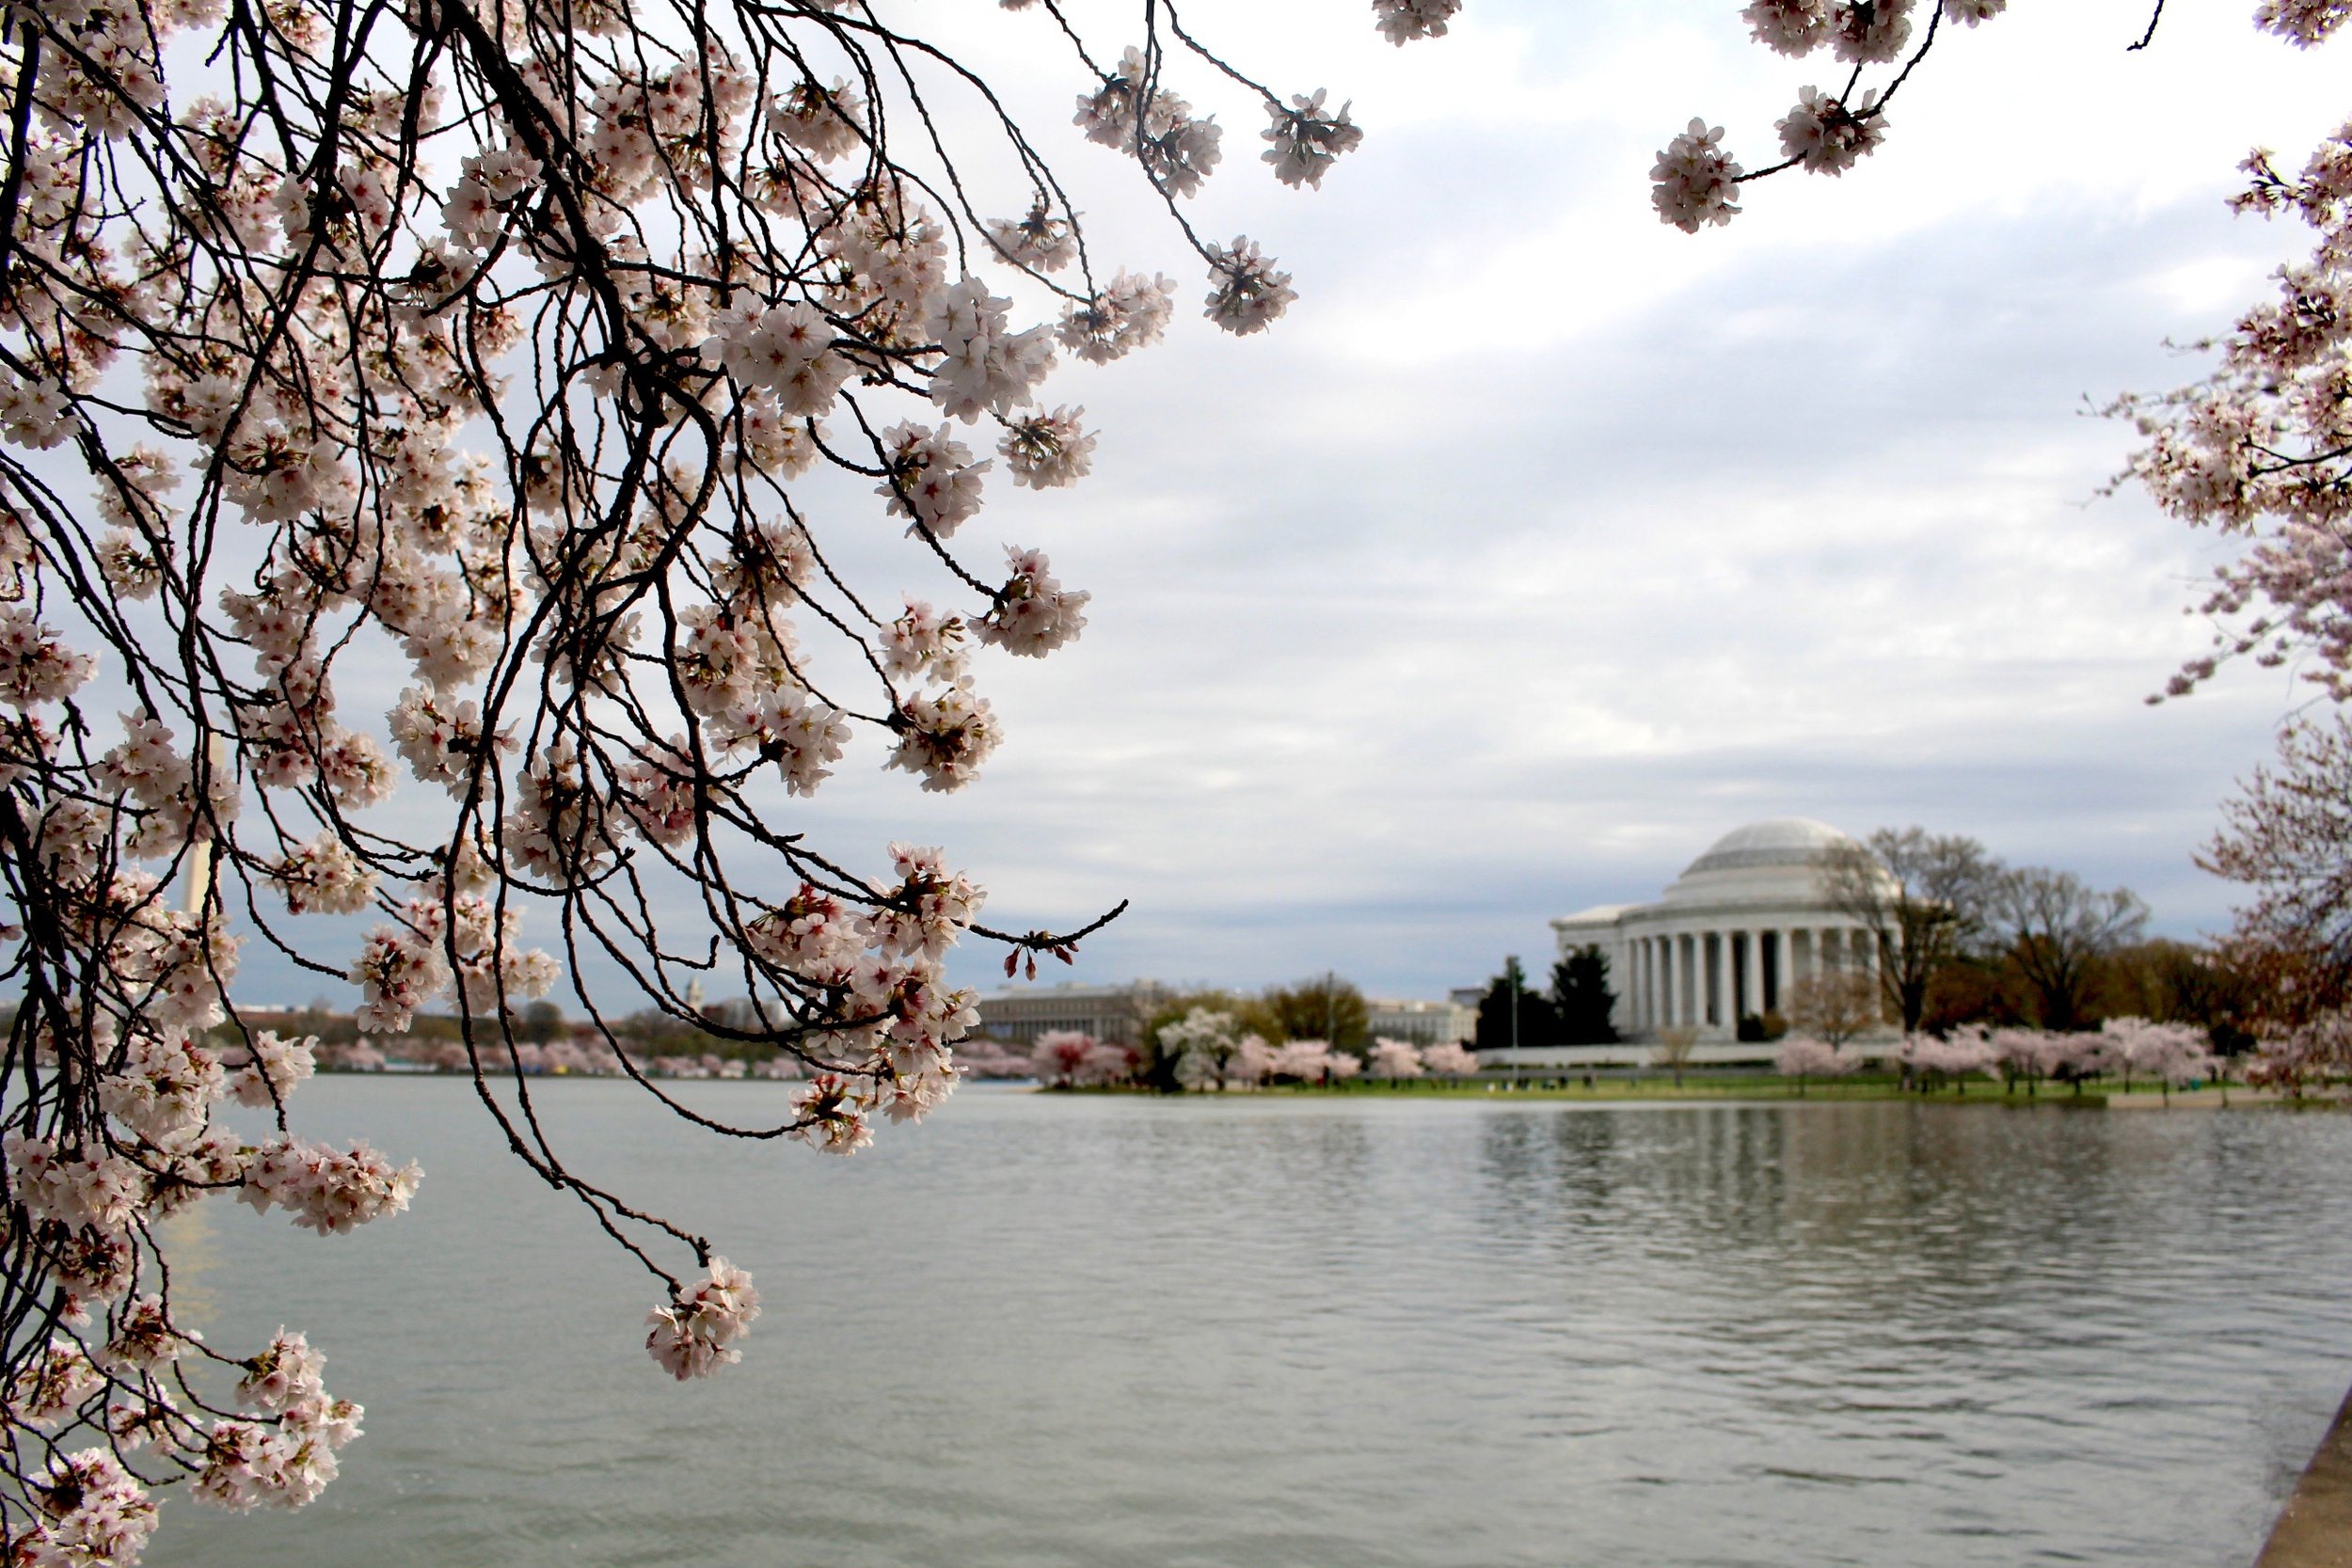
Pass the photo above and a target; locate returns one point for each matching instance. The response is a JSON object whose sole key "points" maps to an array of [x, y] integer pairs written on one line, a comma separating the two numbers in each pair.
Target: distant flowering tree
{"points": [[1253, 1061], [2311, 1050], [2028, 1057], [2285, 837], [1109, 1063], [1448, 1059], [1933, 1061], [1393, 1060], [517, 352], [1059, 1057], [1204, 1041], [1303, 1061], [1801, 1056], [2172, 1053]]}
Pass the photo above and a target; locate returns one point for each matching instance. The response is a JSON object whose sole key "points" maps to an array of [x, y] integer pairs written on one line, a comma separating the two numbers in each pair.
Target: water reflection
{"points": [[1355, 1332]]}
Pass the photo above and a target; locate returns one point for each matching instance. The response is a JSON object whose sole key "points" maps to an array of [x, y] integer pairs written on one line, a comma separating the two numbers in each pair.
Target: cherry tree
{"points": [[1448, 1059], [2172, 1053], [1108, 1062], [1253, 1061], [1204, 1041], [1307, 1061], [1803, 1056], [1060, 1056], [1394, 1060], [2284, 838], [1967, 1053], [523, 353]]}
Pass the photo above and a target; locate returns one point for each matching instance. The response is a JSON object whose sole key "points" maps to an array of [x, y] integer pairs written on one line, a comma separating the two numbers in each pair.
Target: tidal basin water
{"points": [[1262, 1332]]}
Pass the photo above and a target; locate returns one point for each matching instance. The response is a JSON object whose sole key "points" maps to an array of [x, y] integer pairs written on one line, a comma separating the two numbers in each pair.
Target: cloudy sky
{"points": [[1541, 545]]}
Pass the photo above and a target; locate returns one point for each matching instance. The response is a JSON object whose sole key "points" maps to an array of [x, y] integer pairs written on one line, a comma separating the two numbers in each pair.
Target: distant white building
{"points": [[1742, 924], [1422, 1023], [1116, 1014]]}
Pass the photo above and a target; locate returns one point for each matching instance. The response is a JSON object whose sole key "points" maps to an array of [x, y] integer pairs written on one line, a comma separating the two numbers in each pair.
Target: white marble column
{"points": [[1692, 990], [1722, 970], [1664, 948], [1657, 980], [1664, 951]]}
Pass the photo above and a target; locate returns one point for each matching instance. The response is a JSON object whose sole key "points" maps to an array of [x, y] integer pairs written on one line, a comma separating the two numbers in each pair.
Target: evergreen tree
{"points": [[1539, 1022], [1582, 999]]}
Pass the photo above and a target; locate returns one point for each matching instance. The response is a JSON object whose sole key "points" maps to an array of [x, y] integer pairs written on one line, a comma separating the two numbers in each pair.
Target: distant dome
{"points": [[1783, 841], [1764, 861]]}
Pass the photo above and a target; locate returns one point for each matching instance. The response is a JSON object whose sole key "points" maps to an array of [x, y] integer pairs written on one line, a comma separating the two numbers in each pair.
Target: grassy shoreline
{"points": [[1762, 1087]]}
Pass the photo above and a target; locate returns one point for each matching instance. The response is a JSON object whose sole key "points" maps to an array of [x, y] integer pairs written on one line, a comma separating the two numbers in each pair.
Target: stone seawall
{"points": [[2316, 1531]]}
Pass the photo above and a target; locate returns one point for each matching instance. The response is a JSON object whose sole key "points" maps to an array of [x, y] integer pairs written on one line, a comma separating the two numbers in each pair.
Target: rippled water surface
{"points": [[1264, 1332]]}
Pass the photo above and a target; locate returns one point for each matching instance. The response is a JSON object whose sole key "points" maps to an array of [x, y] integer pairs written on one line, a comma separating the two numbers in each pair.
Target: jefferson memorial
{"points": [[1743, 923]]}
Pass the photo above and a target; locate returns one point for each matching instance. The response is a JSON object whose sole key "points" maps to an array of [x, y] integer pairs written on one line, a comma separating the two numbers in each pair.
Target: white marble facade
{"points": [[1745, 922]]}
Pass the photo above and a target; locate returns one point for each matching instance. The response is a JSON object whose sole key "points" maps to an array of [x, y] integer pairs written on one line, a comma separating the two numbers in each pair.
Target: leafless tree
{"points": [[1921, 896], [2055, 927], [1835, 1006], [1673, 1050]]}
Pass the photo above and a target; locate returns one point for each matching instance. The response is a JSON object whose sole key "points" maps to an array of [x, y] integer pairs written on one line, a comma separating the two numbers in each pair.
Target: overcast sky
{"points": [[1541, 545]]}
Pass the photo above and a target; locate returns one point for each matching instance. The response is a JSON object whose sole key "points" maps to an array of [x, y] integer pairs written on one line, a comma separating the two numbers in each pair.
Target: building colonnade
{"points": [[1709, 977]]}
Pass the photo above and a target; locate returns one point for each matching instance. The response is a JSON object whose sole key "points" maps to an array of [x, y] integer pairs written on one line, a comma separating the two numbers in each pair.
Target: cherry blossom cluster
{"points": [[1801, 1056], [80, 1213], [2263, 449], [2171, 1053], [1696, 182], [695, 1334], [490, 349]]}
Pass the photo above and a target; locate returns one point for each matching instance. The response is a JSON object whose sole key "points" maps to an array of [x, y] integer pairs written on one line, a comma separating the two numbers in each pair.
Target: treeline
{"points": [[543, 1037], [1318, 1030], [1966, 942]]}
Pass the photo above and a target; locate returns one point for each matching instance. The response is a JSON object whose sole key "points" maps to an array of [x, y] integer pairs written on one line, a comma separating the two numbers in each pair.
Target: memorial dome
{"points": [[1774, 859]]}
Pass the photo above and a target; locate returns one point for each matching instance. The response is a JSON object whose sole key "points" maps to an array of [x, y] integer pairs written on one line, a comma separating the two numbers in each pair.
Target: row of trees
{"points": [[2168, 1054], [1209, 1049], [1962, 937], [1967, 941]]}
